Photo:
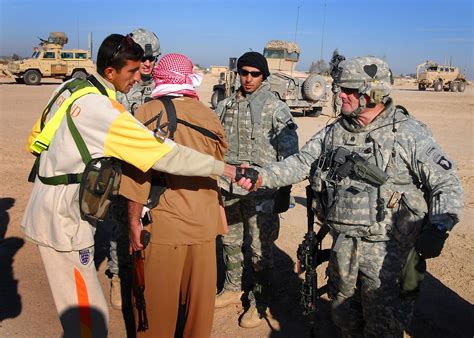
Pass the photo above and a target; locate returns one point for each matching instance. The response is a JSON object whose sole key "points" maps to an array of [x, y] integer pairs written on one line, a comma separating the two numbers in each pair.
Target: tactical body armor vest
{"points": [[248, 126], [368, 206]]}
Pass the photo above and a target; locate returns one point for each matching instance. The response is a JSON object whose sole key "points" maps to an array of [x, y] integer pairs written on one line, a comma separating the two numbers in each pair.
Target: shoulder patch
{"points": [[443, 162]]}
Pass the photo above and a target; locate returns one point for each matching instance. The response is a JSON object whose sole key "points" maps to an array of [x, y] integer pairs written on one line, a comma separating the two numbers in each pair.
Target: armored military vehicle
{"points": [[308, 95], [430, 74], [50, 59]]}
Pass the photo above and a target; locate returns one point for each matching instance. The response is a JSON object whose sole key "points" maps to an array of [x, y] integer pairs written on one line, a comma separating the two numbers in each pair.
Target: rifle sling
{"points": [[173, 120]]}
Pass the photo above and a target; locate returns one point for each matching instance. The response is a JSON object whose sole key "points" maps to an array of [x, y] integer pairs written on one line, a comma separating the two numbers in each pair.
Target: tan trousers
{"points": [[76, 291], [177, 274]]}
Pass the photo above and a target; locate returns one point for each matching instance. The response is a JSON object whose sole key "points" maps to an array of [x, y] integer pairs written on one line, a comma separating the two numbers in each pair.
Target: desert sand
{"points": [[443, 309]]}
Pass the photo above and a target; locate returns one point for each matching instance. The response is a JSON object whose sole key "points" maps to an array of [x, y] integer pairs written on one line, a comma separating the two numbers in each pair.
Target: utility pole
{"points": [[77, 24], [296, 30], [296, 27], [322, 34], [89, 43]]}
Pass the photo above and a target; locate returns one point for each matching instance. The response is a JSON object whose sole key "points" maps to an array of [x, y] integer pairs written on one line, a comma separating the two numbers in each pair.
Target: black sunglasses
{"points": [[349, 91], [149, 58], [244, 72], [126, 43]]}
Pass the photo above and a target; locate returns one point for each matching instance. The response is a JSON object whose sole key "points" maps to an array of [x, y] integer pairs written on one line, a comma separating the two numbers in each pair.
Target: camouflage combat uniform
{"points": [[260, 130], [138, 95], [374, 228]]}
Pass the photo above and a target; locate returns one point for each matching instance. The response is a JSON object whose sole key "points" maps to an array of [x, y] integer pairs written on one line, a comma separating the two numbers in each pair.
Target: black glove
{"points": [[430, 242], [249, 173]]}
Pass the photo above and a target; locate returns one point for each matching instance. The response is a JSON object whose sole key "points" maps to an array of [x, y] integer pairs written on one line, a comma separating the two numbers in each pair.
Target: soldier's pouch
{"points": [[99, 188], [353, 206], [409, 219], [282, 199], [412, 274]]}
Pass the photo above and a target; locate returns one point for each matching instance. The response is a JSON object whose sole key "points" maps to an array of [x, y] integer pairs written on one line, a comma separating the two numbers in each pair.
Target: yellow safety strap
{"points": [[43, 140]]}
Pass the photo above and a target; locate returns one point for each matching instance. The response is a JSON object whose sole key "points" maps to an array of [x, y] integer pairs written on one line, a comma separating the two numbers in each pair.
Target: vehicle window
{"points": [[49, 55], [81, 55], [274, 53], [292, 56], [67, 55]]}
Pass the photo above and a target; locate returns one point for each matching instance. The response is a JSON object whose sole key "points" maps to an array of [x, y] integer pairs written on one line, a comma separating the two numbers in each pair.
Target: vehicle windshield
{"points": [[274, 53], [280, 54]]}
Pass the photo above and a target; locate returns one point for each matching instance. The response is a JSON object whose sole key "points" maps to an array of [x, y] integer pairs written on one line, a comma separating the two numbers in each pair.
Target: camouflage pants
{"points": [[364, 285], [119, 244], [263, 229]]}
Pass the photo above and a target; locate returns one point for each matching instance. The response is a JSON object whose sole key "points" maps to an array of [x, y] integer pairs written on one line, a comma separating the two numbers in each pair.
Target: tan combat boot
{"points": [[251, 318], [116, 293], [227, 298]]}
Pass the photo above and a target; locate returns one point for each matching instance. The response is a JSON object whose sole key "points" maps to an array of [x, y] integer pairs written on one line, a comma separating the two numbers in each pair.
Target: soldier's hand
{"points": [[246, 177], [430, 242]]}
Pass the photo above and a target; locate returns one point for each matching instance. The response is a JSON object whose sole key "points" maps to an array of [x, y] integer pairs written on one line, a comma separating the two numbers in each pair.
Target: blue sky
{"points": [[209, 32]]}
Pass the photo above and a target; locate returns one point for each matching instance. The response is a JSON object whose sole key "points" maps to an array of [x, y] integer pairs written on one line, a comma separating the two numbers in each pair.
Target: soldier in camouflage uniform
{"points": [[141, 91], [387, 191], [260, 129], [139, 94]]}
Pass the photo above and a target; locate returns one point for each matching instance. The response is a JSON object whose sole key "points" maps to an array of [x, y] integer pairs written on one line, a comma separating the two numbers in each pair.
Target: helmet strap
{"points": [[356, 112], [146, 77]]}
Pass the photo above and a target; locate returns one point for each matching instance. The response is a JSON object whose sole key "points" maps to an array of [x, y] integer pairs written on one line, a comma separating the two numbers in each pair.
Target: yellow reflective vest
{"points": [[43, 132]]}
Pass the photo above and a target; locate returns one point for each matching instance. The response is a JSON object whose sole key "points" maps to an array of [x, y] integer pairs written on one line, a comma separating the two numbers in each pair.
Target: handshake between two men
{"points": [[248, 178]]}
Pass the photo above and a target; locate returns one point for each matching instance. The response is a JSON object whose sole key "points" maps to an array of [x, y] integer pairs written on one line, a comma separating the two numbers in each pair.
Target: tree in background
{"points": [[319, 67]]}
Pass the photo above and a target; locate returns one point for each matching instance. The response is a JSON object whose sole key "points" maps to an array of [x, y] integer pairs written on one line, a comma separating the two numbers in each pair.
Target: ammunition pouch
{"points": [[98, 188], [282, 200], [353, 206]]}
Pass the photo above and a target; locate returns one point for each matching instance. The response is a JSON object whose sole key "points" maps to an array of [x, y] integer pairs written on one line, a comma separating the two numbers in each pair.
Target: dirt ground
{"points": [[444, 308]]}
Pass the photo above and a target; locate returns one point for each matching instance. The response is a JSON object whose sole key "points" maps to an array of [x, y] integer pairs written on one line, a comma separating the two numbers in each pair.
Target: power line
{"points": [[322, 34]]}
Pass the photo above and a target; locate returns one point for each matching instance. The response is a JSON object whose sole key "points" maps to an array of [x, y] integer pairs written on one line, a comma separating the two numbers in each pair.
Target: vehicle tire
{"points": [[19, 80], [315, 112], [314, 87], [217, 96], [438, 86], [453, 86], [421, 86], [32, 77], [79, 74], [461, 86]]}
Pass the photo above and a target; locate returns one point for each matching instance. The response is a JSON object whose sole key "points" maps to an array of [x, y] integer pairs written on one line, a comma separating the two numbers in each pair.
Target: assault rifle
{"points": [[139, 282], [310, 255]]}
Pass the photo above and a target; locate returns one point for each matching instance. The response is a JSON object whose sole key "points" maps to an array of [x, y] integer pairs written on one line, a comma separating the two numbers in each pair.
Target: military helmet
{"points": [[370, 75], [148, 41]]}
